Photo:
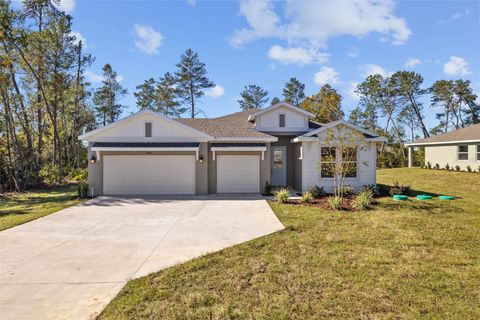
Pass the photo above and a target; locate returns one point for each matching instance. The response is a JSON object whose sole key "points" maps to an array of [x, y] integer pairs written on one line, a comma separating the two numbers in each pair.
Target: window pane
{"points": [[478, 152], [282, 120], [463, 156], [349, 154], [350, 170], [327, 170], [463, 148], [148, 130], [277, 159], [328, 153]]}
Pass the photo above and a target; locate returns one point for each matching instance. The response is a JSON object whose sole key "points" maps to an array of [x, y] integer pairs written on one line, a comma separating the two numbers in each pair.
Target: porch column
{"points": [[410, 157]]}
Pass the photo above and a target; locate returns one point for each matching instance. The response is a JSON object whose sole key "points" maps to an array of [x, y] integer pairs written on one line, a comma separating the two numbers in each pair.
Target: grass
{"points": [[402, 260], [19, 208]]}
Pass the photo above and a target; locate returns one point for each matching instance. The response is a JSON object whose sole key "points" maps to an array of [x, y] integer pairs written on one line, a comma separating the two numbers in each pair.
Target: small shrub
{"points": [[398, 188], [469, 169], [363, 200], [347, 190], [78, 174], [317, 192], [306, 197], [335, 203], [437, 166], [478, 168], [447, 167], [282, 195], [429, 165], [457, 167], [268, 189], [82, 190]]}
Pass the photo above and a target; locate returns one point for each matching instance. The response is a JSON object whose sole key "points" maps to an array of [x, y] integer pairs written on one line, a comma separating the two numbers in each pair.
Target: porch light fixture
{"points": [[200, 159], [93, 159]]}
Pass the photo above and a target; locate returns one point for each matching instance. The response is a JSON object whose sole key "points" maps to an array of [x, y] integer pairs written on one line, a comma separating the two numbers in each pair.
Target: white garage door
{"points": [[148, 174], [238, 173]]}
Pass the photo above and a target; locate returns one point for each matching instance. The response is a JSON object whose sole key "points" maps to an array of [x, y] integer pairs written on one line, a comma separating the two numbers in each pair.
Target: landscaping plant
{"points": [[306, 197], [82, 190], [317, 192], [429, 165], [335, 202], [447, 167], [282, 195], [268, 189], [437, 166], [398, 188], [457, 167], [469, 169], [363, 200]]}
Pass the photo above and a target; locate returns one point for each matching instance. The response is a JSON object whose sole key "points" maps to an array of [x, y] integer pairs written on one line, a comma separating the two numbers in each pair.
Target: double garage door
{"points": [[148, 174], [175, 174]]}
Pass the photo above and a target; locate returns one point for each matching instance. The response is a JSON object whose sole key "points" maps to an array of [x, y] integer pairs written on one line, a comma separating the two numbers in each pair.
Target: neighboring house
{"points": [[460, 147], [146, 153]]}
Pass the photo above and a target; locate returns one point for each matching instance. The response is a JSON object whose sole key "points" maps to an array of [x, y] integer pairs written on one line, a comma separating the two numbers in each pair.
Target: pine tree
{"points": [[294, 92], [274, 101], [253, 97], [145, 95], [107, 98], [166, 95], [192, 80]]}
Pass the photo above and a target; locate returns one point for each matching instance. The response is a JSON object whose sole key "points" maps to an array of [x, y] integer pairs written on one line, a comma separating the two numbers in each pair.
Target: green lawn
{"points": [[403, 260], [19, 208]]}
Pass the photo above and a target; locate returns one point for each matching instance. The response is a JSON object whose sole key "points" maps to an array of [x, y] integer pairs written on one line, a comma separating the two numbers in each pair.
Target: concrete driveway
{"points": [[70, 264]]}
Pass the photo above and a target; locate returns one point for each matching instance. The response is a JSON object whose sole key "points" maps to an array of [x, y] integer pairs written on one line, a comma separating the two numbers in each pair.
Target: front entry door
{"points": [[279, 165]]}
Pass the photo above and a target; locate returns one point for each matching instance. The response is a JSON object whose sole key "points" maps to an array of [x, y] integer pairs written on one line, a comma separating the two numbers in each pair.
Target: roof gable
{"points": [[280, 105], [131, 128], [340, 122]]}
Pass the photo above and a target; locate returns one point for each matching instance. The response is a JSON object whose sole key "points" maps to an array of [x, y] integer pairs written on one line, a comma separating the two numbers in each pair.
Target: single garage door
{"points": [[238, 173], [148, 174]]}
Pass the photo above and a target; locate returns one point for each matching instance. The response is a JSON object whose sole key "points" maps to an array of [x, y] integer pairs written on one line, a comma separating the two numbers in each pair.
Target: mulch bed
{"points": [[322, 202]]}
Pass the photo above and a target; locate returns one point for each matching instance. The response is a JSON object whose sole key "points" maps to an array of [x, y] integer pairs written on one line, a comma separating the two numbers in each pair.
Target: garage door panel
{"points": [[238, 173], [148, 174]]}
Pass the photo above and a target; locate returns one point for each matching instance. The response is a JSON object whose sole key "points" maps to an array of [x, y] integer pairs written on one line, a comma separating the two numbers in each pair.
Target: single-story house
{"points": [[459, 147], [147, 153]]}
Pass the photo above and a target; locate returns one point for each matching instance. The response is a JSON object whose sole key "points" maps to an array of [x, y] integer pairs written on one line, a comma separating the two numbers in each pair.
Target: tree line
{"points": [[46, 101], [391, 106]]}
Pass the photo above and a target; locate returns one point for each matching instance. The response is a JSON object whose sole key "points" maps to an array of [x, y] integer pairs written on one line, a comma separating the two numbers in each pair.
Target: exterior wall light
{"points": [[200, 159], [93, 159]]}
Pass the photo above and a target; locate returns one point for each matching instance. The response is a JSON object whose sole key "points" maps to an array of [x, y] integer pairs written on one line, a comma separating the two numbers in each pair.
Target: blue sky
{"points": [[266, 43]]}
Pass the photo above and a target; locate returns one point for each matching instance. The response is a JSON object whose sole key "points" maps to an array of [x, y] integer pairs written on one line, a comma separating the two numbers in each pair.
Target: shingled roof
{"points": [[235, 125], [468, 134]]}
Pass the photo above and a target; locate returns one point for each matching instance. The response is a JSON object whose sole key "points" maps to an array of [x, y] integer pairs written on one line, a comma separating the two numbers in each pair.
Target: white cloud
{"points": [[351, 91], [296, 55], [147, 39], [96, 78], [372, 69], [353, 52], [326, 75], [66, 5], [313, 23], [412, 62], [456, 66], [215, 92], [78, 37], [456, 16]]}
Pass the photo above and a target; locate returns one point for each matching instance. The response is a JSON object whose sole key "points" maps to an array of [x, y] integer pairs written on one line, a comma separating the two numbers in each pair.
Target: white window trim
{"points": [[301, 153], [458, 152], [339, 159], [321, 161]]}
